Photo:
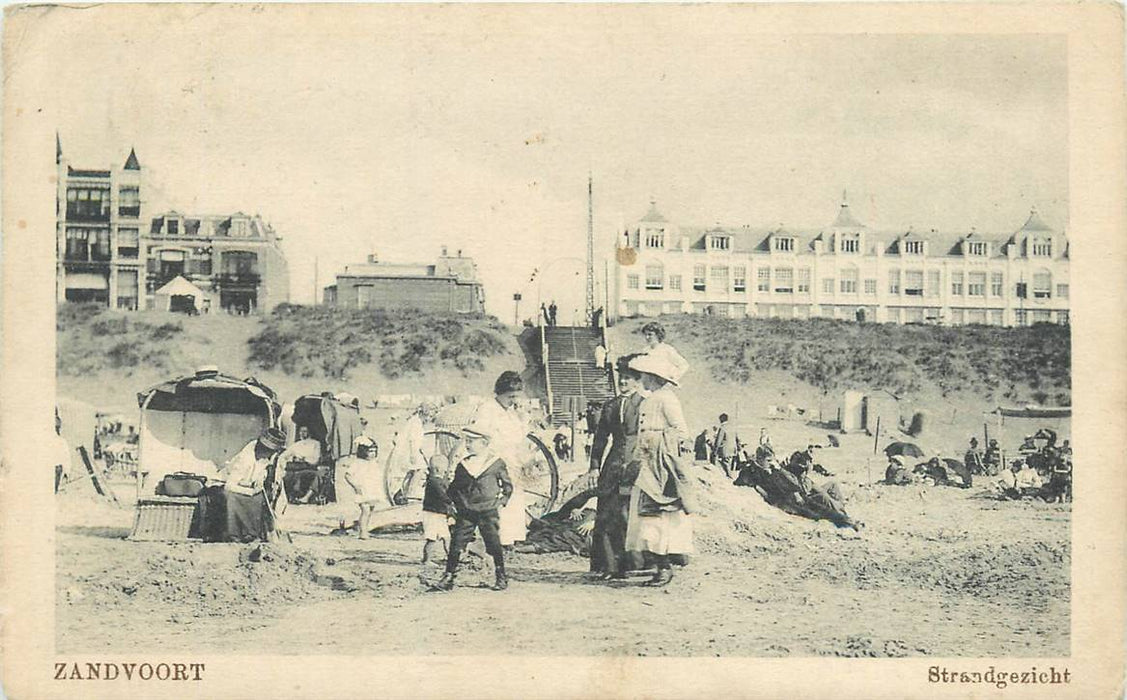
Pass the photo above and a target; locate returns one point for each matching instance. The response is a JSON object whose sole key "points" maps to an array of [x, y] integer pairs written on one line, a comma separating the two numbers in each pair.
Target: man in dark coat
{"points": [[618, 425], [725, 445]]}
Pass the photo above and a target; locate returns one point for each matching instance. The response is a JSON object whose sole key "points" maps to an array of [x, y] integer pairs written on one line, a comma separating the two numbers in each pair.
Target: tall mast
{"points": [[590, 251]]}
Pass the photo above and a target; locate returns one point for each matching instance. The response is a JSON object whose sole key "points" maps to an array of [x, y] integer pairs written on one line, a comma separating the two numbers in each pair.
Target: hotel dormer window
{"points": [[173, 227], [784, 244], [719, 242], [976, 248], [913, 248], [1042, 247], [849, 244], [655, 238]]}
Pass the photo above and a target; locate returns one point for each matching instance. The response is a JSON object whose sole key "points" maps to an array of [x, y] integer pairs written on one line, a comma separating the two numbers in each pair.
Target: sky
{"points": [[397, 132]]}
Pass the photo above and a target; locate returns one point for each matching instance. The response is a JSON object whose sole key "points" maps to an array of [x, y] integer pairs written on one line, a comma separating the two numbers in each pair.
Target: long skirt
{"points": [[608, 537], [514, 522], [668, 532], [227, 516]]}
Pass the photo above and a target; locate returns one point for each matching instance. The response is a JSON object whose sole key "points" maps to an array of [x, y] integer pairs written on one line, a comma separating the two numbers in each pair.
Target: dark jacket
{"points": [[435, 498], [490, 490], [618, 424]]}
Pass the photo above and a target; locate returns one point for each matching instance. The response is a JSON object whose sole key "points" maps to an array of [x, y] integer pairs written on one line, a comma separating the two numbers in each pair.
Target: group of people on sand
{"points": [[1039, 471], [642, 486]]}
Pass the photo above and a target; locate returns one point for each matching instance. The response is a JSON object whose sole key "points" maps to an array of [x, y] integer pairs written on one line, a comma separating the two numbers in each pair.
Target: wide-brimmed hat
{"points": [[657, 366], [272, 439], [899, 459]]}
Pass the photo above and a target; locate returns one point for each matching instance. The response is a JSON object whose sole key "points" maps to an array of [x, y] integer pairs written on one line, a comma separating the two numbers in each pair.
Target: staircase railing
{"points": [[547, 371]]}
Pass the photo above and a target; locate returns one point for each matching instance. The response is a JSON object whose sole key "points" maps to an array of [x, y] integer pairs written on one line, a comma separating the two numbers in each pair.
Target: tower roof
{"points": [[58, 148], [1034, 222], [653, 215], [845, 218], [131, 162]]}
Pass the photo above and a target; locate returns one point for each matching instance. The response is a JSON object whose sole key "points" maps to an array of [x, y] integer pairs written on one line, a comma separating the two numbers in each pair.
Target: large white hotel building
{"points": [[844, 271]]}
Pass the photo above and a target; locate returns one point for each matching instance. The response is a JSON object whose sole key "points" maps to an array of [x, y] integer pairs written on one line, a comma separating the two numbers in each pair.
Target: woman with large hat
{"points": [[661, 500]]}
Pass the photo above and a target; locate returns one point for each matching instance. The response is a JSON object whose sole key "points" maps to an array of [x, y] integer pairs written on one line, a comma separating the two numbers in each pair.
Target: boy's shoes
{"points": [[446, 583], [661, 578], [501, 583]]}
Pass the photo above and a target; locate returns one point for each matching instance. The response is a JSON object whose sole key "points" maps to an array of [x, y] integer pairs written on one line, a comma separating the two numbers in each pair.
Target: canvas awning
{"points": [[87, 280], [179, 286]]}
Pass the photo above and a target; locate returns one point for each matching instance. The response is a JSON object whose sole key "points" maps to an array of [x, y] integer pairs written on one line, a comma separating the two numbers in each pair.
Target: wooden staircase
{"points": [[569, 353]]}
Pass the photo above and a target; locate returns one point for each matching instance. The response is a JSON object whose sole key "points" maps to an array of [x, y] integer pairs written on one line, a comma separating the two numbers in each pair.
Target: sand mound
{"points": [[221, 578]]}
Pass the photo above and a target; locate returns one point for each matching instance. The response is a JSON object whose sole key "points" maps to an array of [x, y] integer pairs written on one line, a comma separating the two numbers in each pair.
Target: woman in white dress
{"points": [[661, 500], [657, 348], [504, 421]]}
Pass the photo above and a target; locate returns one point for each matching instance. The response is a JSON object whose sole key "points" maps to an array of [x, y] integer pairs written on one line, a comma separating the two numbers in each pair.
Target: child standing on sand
{"points": [[365, 475], [437, 508], [480, 489]]}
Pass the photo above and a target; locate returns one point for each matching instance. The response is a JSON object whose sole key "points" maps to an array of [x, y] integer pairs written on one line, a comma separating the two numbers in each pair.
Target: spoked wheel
{"points": [[537, 472]]}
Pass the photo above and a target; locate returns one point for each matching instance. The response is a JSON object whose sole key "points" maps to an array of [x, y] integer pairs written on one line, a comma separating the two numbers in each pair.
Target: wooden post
{"points": [[876, 436], [985, 435]]}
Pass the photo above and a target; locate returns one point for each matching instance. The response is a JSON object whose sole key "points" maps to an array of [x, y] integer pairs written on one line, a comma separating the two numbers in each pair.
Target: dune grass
{"points": [[1030, 364], [334, 342]]}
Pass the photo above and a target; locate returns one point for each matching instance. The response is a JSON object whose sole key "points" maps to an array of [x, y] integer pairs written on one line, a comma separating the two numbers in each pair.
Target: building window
{"points": [[763, 279], [894, 281], [128, 240], [976, 248], [655, 277], [631, 281], [914, 283], [976, 316], [784, 244], [698, 277], [1042, 285], [914, 247], [1021, 317], [173, 227], [739, 278], [720, 276], [363, 297], [1062, 318], [997, 284], [784, 280], [996, 317], [914, 315], [849, 280], [719, 242], [957, 317], [675, 282], [803, 286], [828, 285], [894, 315], [721, 310], [870, 287], [850, 244], [933, 282], [976, 284], [88, 204], [238, 263], [957, 284], [1062, 291], [129, 201], [1041, 316], [655, 238], [1043, 247], [1021, 290]]}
